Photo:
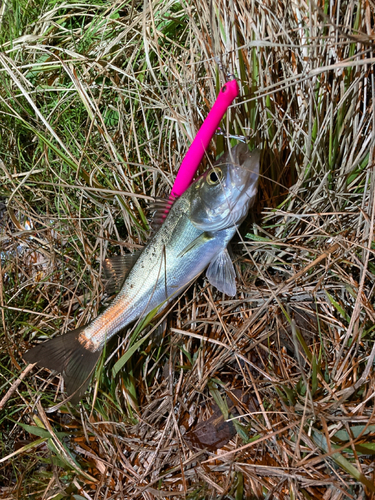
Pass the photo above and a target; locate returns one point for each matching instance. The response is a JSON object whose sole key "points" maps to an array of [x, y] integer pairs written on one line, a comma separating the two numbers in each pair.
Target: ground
{"points": [[269, 394]]}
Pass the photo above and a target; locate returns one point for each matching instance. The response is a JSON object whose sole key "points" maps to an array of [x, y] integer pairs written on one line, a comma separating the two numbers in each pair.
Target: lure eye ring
{"points": [[214, 177]]}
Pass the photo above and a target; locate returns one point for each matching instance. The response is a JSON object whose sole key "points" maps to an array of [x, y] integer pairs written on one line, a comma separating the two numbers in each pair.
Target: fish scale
{"points": [[160, 273], [194, 235]]}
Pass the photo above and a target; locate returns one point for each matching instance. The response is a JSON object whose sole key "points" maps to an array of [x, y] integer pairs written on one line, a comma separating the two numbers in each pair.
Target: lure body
{"points": [[201, 141]]}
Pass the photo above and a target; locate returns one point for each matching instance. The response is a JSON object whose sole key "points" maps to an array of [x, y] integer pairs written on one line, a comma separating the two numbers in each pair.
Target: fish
{"points": [[194, 236]]}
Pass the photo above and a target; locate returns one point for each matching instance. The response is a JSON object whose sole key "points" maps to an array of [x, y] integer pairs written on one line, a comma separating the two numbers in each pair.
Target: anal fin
{"points": [[221, 274]]}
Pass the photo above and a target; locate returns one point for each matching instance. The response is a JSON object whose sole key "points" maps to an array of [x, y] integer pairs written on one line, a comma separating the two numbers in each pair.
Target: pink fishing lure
{"points": [[200, 144]]}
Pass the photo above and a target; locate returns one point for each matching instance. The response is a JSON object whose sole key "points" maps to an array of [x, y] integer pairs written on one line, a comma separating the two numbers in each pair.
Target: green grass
{"points": [[98, 105]]}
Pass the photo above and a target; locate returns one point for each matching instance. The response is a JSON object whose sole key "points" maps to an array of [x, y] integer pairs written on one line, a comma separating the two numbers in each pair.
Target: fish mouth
{"points": [[247, 160], [252, 162], [245, 178], [232, 197]]}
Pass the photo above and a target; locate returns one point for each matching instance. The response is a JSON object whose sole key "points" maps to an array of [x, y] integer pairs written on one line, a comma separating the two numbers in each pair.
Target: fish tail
{"points": [[68, 355]]}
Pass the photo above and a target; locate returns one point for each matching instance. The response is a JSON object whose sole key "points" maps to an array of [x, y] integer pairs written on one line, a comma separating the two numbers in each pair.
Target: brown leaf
{"points": [[215, 433]]}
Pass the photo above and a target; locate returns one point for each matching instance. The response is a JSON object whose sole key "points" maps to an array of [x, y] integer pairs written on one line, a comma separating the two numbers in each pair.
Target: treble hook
{"points": [[228, 76]]}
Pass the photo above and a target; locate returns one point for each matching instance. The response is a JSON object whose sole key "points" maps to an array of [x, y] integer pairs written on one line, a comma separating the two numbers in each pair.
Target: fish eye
{"points": [[214, 177]]}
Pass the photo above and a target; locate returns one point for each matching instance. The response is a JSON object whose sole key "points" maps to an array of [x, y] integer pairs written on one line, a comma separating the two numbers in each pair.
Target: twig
{"points": [[15, 384]]}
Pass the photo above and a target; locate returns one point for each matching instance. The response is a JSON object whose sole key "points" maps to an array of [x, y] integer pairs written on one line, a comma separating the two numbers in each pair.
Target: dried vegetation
{"points": [[269, 395]]}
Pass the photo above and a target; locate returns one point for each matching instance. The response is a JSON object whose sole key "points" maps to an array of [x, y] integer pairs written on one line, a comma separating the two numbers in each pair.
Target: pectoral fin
{"points": [[200, 240], [116, 269], [221, 274]]}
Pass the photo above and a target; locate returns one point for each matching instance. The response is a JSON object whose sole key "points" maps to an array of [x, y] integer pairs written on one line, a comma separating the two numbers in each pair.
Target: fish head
{"points": [[222, 196]]}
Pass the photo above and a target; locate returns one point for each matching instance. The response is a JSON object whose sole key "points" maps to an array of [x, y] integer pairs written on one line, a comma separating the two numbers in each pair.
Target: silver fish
{"points": [[194, 235]]}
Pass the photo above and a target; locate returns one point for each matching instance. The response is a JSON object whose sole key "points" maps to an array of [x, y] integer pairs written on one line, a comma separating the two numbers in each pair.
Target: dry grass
{"points": [[98, 105]]}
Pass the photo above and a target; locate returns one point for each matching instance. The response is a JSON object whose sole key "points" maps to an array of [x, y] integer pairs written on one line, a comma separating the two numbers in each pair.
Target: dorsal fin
{"points": [[116, 269], [160, 208]]}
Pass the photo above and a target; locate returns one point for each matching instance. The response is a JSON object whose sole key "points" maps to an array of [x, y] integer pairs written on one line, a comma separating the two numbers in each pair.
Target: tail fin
{"points": [[67, 355]]}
